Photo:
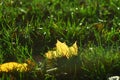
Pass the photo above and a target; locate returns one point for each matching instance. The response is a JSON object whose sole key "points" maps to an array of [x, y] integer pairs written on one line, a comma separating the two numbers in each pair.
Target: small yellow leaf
{"points": [[22, 67], [74, 49], [14, 66], [62, 50], [51, 54]]}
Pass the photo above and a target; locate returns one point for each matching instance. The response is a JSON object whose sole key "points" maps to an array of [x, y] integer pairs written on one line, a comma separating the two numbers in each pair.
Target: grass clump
{"points": [[97, 61]]}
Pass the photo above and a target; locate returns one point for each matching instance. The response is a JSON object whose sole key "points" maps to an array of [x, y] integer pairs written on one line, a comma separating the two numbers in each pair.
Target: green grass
{"points": [[31, 28]]}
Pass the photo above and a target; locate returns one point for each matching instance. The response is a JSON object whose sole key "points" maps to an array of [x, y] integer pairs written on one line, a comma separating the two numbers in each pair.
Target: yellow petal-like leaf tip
{"points": [[62, 50], [74, 49]]}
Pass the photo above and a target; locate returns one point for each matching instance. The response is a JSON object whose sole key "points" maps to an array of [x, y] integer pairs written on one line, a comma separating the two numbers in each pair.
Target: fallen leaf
{"points": [[62, 50], [14, 66], [73, 49]]}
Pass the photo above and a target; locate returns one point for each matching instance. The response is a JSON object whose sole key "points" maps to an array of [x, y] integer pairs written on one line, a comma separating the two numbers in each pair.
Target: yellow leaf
{"points": [[22, 67], [74, 49], [51, 54], [14, 66], [62, 50]]}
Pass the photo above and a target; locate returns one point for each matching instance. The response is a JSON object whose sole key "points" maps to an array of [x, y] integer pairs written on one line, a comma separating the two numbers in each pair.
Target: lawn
{"points": [[81, 39]]}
